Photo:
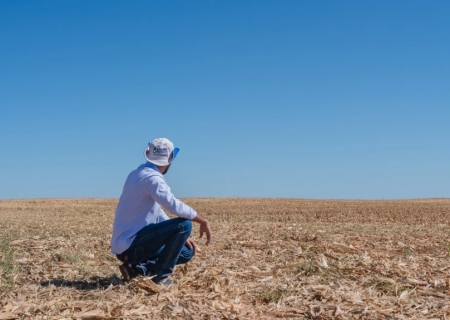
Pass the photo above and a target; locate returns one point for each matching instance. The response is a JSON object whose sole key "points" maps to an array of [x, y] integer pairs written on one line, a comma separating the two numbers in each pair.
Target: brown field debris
{"points": [[270, 258]]}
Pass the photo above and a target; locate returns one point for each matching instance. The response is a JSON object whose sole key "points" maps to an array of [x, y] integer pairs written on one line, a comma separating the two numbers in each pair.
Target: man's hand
{"points": [[205, 228], [191, 244]]}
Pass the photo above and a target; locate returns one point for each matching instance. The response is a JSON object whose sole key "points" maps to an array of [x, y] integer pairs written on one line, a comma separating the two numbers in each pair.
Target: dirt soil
{"points": [[270, 258]]}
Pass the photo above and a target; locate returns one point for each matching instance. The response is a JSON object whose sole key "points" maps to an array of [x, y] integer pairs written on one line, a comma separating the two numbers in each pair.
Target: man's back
{"points": [[136, 208]]}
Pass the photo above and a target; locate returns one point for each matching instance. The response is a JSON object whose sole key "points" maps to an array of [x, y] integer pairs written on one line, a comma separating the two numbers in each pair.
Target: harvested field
{"points": [[270, 258]]}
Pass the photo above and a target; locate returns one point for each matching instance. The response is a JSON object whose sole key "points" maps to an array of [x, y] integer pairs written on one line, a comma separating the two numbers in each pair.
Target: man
{"points": [[144, 238]]}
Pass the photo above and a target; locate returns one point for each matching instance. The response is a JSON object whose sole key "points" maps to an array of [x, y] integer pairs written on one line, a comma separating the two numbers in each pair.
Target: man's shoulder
{"points": [[147, 172]]}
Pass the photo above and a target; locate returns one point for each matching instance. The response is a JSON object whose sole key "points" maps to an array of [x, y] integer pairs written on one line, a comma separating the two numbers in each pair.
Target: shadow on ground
{"points": [[94, 283]]}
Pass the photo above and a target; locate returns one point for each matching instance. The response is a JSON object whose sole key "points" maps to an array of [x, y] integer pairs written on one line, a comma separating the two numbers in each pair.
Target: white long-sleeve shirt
{"points": [[144, 192]]}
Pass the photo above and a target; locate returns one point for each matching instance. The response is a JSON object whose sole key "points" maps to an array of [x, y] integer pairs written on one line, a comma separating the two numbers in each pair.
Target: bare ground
{"points": [[271, 258]]}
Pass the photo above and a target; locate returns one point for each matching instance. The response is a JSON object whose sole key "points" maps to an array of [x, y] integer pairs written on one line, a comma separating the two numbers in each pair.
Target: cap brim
{"points": [[173, 155], [175, 152]]}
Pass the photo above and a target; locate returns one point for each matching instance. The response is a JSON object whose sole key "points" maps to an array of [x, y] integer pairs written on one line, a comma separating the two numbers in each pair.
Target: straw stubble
{"points": [[270, 258]]}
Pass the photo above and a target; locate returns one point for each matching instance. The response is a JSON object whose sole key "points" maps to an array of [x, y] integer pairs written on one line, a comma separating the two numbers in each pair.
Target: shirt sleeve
{"points": [[160, 192]]}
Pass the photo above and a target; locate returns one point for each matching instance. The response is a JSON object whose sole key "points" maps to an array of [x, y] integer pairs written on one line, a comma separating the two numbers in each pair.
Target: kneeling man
{"points": [[144, 238]]}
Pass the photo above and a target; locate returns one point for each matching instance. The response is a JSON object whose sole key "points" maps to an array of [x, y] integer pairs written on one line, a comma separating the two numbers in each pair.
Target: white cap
{"points": [[160, 152]]}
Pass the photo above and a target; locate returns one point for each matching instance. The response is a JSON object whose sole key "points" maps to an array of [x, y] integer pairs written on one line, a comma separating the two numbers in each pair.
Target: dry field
{"points": [[271, 258]]}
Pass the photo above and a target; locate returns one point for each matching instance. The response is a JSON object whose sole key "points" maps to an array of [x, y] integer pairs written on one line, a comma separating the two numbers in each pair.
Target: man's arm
{"points": [[160, 192]]}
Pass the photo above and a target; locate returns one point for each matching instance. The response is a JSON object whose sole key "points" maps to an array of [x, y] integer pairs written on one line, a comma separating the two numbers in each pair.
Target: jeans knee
{"points": [[186, 225]]}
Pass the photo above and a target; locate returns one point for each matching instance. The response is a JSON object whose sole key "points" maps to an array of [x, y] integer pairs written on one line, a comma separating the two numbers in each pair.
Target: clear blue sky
{"points": [[308, 99]]}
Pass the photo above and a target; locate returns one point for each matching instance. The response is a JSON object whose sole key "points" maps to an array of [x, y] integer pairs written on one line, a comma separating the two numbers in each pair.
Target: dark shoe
{"points": [[143, 269], [146, 269], [127, 272]]}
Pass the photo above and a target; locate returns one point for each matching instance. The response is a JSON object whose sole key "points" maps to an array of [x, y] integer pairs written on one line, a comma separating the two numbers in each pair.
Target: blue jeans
{"points": [[162, 245]]}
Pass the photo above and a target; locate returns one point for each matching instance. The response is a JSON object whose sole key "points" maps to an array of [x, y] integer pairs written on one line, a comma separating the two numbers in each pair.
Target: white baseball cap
{"points": [[161, 152]]}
